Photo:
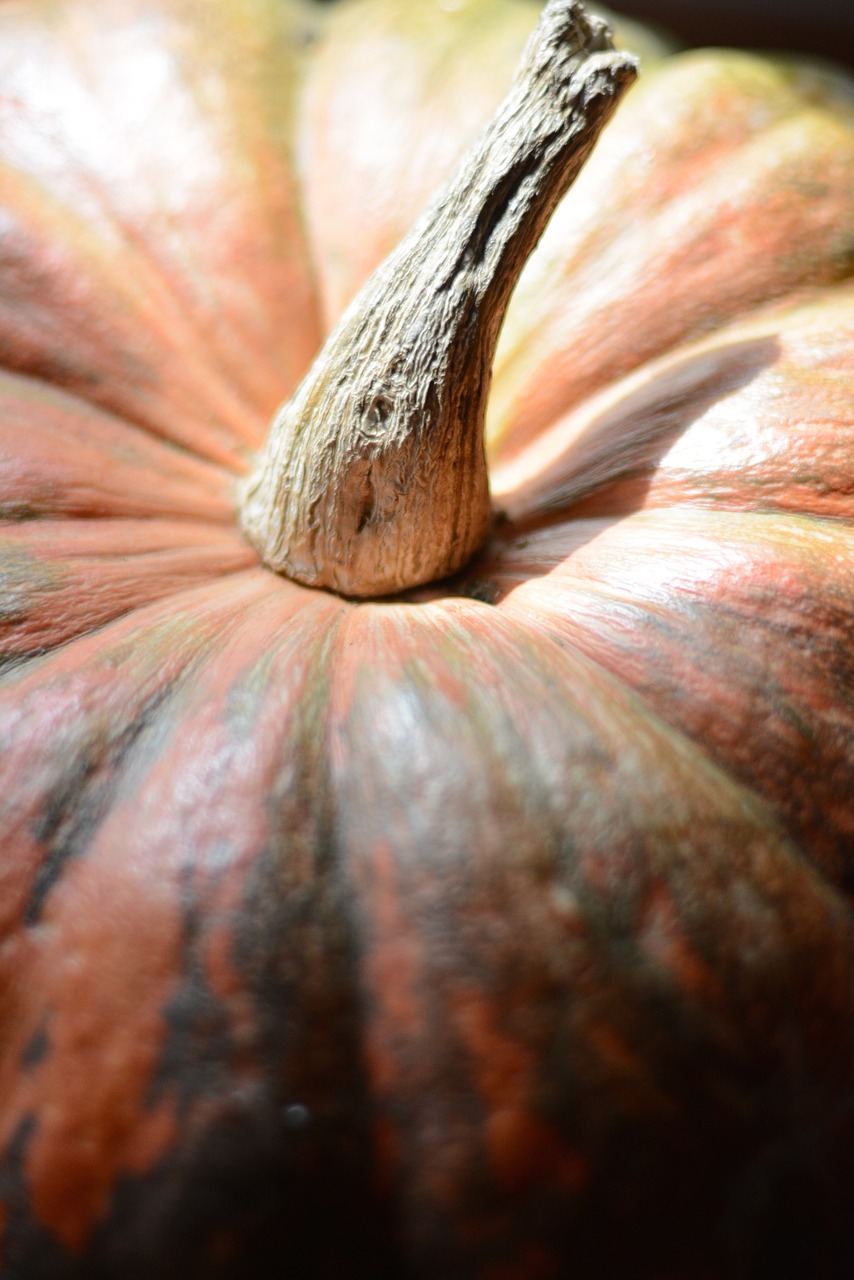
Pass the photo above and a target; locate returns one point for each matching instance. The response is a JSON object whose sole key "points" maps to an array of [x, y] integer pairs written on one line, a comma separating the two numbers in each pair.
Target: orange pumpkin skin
{"points": [[502, 930]]}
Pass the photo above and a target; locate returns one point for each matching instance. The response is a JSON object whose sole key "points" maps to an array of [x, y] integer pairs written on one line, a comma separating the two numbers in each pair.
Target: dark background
{"points": [[811, 26], [825, 27]]}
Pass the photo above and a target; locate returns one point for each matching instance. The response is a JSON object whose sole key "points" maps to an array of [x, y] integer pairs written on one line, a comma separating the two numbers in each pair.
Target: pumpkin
{"points": [[490, 925]]}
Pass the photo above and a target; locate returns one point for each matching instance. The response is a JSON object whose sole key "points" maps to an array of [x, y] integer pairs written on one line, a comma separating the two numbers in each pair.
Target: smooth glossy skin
{"points": [[503, 931]]}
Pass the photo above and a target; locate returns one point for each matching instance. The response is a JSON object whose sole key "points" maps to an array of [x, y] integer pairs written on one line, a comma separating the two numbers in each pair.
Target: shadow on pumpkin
{"points": [[609, 467]]}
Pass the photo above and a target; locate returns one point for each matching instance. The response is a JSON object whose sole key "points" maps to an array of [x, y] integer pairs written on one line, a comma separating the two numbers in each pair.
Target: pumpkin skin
{"points": [[503, 930]]}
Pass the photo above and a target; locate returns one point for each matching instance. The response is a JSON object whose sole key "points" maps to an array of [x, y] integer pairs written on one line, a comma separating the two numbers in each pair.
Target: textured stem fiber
{"points": [[374, 477]]}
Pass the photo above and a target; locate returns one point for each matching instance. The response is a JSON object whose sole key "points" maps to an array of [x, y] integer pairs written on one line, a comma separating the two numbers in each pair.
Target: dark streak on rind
{"points": [[75, 807], [36, 1049], [27, 1250], [199, 1045], [243, 1191]]}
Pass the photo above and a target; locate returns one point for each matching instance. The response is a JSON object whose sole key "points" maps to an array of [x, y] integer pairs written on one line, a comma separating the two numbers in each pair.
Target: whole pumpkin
{"points": [[501, 929]]}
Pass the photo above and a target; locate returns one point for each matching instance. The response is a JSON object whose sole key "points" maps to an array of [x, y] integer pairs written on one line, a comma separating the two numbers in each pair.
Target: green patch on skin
{"points": [[24, 579], [23, 511]]}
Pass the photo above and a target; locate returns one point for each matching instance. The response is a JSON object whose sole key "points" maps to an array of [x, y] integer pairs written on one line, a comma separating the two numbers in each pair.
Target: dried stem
{"points": [[374, 477]]}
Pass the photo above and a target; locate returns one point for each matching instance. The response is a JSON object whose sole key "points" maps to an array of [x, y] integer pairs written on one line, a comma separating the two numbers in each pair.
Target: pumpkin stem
{"points": [[374, 475]]}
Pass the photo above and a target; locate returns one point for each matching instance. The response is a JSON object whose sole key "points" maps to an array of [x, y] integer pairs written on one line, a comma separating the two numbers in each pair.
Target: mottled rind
{"points": [[505, 931]]}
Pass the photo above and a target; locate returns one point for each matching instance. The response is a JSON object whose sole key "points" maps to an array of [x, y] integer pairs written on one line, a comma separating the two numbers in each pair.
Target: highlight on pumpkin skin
{"points": [[754, 176], [721, 620], [759, 416], [136, 170], [374, 479]]}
